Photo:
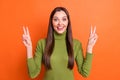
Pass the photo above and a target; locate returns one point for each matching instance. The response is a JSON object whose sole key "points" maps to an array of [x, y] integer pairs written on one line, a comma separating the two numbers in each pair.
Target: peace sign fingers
{"points": [[93, 31], [26, 37], [26, 31], [93, 37]]}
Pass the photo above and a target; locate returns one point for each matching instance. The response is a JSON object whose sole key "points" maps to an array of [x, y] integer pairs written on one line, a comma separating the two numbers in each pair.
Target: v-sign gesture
{"points": [[26, 37], [92, 39]]}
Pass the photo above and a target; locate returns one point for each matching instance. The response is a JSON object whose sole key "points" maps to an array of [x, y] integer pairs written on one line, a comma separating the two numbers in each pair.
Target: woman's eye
{"points": [[55, 19], [64, 19]]}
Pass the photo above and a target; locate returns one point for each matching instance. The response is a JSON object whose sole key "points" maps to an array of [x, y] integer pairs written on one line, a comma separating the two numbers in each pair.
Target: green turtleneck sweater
{"points": [[59, 60]]}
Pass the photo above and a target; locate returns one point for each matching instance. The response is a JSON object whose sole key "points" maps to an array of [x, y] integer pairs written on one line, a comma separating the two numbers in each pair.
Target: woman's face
{"points": [[60, 22]]}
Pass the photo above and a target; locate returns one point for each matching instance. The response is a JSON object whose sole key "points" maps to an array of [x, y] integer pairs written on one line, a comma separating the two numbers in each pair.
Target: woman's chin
{"points": [[60, 32]]}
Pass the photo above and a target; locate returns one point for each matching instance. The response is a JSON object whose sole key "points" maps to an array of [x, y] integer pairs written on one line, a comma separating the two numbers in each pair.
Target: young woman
{"points": [[59, 50]]}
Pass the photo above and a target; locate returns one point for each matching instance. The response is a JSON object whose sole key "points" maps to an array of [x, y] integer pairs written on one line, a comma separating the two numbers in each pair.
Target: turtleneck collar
{"points": [[59, 36]]}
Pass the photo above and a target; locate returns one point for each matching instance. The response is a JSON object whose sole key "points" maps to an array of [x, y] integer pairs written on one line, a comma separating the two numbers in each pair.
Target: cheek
{"points": [[54, 24], [66, 24]]}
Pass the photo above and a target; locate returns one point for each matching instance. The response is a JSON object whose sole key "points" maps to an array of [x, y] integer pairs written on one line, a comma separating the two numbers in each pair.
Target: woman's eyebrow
{"points": [[62, 17]]}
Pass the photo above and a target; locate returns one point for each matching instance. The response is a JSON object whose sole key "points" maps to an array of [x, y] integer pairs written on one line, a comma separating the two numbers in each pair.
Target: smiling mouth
{"points": [[60, 28]]}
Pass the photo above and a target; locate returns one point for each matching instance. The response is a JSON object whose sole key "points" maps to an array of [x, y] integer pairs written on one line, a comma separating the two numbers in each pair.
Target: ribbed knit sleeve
{"points": [[83, 63], [34, 64]]}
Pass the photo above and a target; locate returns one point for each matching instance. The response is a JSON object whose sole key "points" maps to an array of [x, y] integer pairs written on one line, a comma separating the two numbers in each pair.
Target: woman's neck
{"points": [[58, 36]]}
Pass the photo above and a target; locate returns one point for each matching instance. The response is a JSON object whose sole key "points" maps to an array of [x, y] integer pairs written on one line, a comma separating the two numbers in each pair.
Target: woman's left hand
{"points": [[92, 40]]}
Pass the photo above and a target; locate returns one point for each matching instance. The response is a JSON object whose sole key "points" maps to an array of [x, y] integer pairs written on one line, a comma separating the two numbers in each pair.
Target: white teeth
{"points": [[60, 27]]}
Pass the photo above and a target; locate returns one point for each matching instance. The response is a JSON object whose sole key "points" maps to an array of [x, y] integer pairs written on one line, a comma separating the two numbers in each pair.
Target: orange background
{"points": [[105, 14]]}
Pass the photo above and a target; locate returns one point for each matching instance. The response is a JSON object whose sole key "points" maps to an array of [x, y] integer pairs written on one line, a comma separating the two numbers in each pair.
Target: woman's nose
{"points": [[60, 22]]}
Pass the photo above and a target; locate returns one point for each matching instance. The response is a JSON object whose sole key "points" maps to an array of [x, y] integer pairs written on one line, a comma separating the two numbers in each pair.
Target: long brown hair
{"points": [[50, 40]]}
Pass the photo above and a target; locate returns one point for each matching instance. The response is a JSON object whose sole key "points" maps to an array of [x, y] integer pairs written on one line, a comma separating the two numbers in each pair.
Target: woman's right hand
{"points": [[26, 38], [27, 42]]}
